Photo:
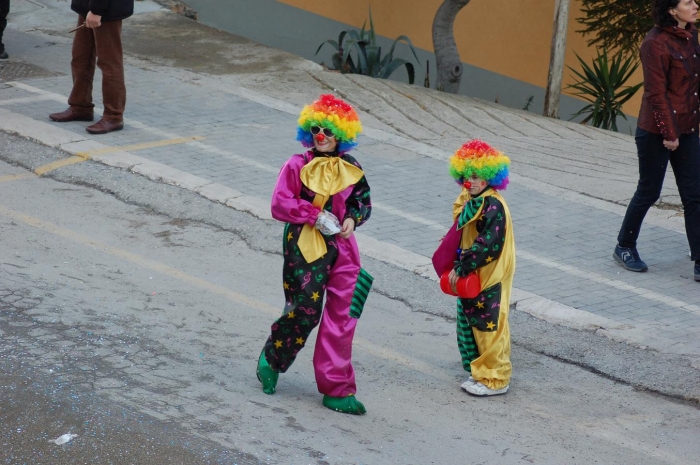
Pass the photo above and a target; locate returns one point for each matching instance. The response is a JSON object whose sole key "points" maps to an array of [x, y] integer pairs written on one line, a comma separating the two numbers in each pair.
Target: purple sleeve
{"points": [[286, 204]]}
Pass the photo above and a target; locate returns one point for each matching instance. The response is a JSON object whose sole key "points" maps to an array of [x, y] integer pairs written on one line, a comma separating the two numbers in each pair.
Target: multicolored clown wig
{"points": [[332, 113], [478, 158]]}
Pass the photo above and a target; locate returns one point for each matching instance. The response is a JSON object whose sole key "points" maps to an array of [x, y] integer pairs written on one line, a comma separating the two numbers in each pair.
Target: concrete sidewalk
{"points": [[570, 183]]}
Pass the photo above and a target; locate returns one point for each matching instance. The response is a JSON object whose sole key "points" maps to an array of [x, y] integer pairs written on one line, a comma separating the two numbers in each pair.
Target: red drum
{"points": [[468, 287]]}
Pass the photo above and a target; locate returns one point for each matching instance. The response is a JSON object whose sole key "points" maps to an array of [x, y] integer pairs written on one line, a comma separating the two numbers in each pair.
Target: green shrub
{"points": [[602, 86], [357, 52]]}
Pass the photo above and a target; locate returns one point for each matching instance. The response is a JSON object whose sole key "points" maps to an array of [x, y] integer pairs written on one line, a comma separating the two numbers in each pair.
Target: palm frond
{"points": [[602, 85]]}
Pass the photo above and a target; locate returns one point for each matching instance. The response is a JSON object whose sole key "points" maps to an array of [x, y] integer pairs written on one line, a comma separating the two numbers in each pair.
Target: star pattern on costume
{"points": [[480, 305], [278, 344], [490, 325], [290, 236], [286, 285], [291, 315], [300, 340], [489, 259], [315, 296]]}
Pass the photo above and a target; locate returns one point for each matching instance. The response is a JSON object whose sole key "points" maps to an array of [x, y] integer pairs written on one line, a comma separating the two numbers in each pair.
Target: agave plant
{"points": [[358, 53], [602, 86]]}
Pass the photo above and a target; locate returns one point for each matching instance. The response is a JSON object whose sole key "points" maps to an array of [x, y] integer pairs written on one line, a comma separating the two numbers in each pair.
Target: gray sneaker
{"points": [[478, 389], [628, 257], [469, 381]]}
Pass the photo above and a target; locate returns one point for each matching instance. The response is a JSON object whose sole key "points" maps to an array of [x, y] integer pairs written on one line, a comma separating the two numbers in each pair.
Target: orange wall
{"points": [[511, 38]]}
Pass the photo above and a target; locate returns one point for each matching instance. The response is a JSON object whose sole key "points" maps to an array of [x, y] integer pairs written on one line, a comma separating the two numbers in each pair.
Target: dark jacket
{"points": [[671, 62], [110, 10]]}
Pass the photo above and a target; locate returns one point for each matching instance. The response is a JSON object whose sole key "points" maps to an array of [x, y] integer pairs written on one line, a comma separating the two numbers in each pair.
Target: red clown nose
{"points": [[320, 138], [467, 185]]}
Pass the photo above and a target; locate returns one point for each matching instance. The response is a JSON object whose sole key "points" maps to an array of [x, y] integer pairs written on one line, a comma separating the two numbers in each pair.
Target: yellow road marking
{"points": [[15, 177], [58, 164], [366, 346], [83, 156], [143, 146]]}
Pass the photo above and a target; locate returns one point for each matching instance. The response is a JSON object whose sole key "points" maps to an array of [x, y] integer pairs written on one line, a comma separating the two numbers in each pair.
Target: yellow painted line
{"points": [[143, 146], [73, 236], [15, 177], [83, 156], [58, 164]]}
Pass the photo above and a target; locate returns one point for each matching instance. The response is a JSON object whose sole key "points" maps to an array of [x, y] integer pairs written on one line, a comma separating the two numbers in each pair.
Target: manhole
{"points": [[16, 71]]}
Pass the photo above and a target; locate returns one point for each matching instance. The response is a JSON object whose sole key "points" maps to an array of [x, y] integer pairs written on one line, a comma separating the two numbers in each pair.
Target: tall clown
{"points": [[322, 196], [487, 248]]}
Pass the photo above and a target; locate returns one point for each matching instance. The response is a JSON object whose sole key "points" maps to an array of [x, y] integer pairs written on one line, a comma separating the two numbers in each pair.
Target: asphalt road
{"points": [[132, 314]]}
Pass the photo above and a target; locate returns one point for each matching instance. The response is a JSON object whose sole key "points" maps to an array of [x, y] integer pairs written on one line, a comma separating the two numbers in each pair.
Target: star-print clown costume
{"points": [[487, 248], [324, 179]]}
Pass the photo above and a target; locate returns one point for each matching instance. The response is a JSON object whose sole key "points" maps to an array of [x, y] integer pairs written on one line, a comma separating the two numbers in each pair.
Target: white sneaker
{"points": [[478, 389], [468, 382]]}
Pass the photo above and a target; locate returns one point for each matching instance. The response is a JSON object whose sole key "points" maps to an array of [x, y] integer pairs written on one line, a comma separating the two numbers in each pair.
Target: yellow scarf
{"points": [[325, 176]]}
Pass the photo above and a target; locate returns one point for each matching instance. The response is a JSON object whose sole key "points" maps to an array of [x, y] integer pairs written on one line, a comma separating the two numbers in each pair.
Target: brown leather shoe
{"points": [[103, 127], [73, 114]]}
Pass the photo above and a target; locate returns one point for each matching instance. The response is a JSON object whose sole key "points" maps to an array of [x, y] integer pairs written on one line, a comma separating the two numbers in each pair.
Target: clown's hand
{"points": [[348, 228], [452, 278], [328, 223]]}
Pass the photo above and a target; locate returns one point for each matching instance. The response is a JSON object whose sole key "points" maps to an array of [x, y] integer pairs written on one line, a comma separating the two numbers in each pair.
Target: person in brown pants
{"points": [[98, 42]]}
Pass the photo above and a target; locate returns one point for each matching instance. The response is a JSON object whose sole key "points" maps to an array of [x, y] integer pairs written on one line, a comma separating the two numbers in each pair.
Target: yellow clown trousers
{"points": [[492, 366]]}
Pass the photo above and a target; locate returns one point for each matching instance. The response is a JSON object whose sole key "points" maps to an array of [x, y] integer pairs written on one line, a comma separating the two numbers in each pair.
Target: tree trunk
{"points": [[556, 60], [448, 63]]}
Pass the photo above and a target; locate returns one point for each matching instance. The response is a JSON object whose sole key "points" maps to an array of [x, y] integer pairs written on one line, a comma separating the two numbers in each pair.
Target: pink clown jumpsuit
{"points": [[337, 274]]}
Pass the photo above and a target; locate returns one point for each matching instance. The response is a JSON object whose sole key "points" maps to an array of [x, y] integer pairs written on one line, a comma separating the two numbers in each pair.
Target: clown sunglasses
{"points": [[326, 132]]}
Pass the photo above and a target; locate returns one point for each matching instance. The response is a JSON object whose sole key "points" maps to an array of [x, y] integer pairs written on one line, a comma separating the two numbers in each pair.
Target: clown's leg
{"points": [[465, 339], [346, 293], [303, 290], [492, 368], [266, 375], [466, 343]]}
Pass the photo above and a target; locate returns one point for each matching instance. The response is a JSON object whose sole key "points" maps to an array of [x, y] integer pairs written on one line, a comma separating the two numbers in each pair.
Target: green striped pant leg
{"points": [[359, 296], [465, 338]]}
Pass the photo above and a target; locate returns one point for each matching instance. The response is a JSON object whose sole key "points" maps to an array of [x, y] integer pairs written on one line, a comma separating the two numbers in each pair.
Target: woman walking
{"points": [[667, 128]]}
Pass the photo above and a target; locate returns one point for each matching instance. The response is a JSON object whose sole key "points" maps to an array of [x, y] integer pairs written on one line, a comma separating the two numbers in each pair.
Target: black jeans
{"points": [[653, 161], [4, 11]]}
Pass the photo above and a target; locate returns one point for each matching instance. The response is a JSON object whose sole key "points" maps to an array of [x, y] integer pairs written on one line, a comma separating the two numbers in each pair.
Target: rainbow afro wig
{"points": [[478, 158], [332, 113]]}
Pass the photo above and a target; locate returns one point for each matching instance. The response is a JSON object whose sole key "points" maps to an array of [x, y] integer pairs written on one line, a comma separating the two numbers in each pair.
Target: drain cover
{"points": [[17, 70]]}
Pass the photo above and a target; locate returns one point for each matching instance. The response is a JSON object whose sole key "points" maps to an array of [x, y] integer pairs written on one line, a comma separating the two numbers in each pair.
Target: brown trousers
{"points": [[101, 47]]}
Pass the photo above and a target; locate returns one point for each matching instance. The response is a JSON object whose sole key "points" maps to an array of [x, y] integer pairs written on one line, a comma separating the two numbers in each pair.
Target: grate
{"points": [[17, 70]]}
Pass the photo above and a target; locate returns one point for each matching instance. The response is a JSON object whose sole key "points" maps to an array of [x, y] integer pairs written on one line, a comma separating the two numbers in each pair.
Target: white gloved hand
{"points": [[328, 223]]}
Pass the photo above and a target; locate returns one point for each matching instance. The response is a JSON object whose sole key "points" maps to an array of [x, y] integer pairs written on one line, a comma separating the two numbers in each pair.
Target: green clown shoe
{"points": [[347, 404], [266, 375]]}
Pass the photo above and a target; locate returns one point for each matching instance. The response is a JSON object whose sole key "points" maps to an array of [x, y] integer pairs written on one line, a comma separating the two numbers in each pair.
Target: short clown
{"points": [[478, 158]]}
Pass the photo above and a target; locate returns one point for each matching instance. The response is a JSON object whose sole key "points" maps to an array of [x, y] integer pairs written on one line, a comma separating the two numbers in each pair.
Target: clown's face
{"points": [[476, 185], [324, 140]]}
